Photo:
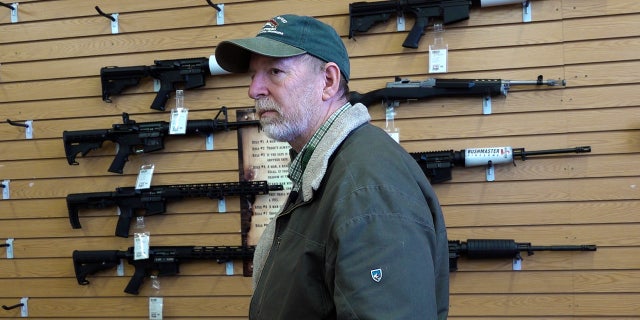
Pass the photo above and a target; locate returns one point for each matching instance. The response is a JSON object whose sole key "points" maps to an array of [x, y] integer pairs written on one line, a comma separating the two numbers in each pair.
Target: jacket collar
{"points": [[348, 121]]}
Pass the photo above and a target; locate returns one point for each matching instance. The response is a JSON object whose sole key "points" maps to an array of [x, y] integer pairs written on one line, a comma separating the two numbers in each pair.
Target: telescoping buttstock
{"points": [[162, 261], [153, 201], [141, 137]]}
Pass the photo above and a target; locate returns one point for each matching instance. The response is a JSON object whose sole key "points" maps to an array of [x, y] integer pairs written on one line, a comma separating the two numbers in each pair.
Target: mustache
{"points": [[266, 104]]}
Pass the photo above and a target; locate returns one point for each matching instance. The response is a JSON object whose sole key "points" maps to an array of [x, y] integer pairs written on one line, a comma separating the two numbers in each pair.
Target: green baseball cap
{"points": [[286, 36]]}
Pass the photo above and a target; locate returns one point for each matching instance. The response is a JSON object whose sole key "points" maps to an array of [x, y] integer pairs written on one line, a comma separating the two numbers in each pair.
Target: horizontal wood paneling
{"points": [[545, 305], [49, 73]]}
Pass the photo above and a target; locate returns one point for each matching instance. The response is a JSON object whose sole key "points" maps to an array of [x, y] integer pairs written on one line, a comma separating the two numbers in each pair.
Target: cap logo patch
{"points": [[271, 26]]}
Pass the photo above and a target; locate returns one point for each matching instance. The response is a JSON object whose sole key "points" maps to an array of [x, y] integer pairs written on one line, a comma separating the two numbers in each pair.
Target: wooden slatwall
{"points": [[49, 73]]}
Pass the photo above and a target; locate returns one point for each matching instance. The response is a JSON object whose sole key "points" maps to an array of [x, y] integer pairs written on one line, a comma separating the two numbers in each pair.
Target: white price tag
{"points": [[438, 60], [144, 176], [155, 308], [179, 121], [141, 246]]}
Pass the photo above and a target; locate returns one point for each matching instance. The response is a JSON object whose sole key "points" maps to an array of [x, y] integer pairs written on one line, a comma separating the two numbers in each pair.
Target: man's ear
{"points": [[332, 77]]}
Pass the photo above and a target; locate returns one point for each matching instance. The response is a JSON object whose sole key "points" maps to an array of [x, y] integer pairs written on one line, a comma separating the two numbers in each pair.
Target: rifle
{"points": [[164, 259], [135, 138], [154, 200], [437, 165], [501, 248], [188, 72], [363, 15], [403, 89]]}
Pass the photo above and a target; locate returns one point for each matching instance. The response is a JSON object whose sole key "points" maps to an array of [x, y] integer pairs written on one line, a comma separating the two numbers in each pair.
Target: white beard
{"points": [[289, 126]]}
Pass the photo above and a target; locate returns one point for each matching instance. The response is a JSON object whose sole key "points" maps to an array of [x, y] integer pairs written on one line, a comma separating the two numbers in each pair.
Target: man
{"points": [[362, 235]]}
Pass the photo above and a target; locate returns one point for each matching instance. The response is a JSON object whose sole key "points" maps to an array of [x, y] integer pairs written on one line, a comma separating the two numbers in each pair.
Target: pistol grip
{"points": [[124, 222]]}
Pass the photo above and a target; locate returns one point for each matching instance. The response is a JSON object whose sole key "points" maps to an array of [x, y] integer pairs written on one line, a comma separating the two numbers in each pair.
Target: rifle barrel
{"points": [[582, 247], [550, 82], [520, 152]]}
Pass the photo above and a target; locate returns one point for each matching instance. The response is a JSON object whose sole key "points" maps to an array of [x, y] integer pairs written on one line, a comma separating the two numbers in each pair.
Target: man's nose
{"points": [[257, 88]]}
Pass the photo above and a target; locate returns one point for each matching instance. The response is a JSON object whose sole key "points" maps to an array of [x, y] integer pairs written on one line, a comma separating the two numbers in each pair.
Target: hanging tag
{"points": [[144, 176], [220, 14], [400, 22], [222, 205], [24, 310], [14, 12], [438, 51], [179, 121], [179, 115], [114, 24], [486, 105], [517, 264], [526, 11], [155, 308], [29, 129], [140, 223], [141, 246], [9, 243], [155, 283], [390, 127], [229, 268], [120, 268], [490, 172], [437, 60], [208, 142], [6, 194]]}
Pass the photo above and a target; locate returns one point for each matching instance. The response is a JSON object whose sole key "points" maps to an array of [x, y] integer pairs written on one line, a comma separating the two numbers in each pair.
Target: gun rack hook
{"points": [[7, 6], [108, 16], [13, 123], [13, 306], [215, 6]]}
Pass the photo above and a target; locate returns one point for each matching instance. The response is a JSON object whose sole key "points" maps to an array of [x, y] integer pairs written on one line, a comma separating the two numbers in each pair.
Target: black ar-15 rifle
{"points": [[154, 199], [363, 15], [437, 165], [501, 248], [403, 89], [164, 259], [143, 137], [190, 73]]}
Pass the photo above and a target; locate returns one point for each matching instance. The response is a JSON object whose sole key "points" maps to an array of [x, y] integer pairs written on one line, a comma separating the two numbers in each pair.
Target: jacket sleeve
{"points": [[384, 257]]}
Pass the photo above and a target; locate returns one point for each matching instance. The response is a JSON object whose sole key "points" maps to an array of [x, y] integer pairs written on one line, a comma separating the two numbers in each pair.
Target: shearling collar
{"points": [[350, 119]]}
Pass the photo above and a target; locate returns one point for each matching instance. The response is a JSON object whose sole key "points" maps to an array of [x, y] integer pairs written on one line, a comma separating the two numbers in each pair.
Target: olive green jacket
{"points": [[364, 239]]}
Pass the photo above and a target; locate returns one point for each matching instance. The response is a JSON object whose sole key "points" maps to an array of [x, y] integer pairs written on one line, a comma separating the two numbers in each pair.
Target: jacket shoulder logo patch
{"points": [[376, 275]]}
